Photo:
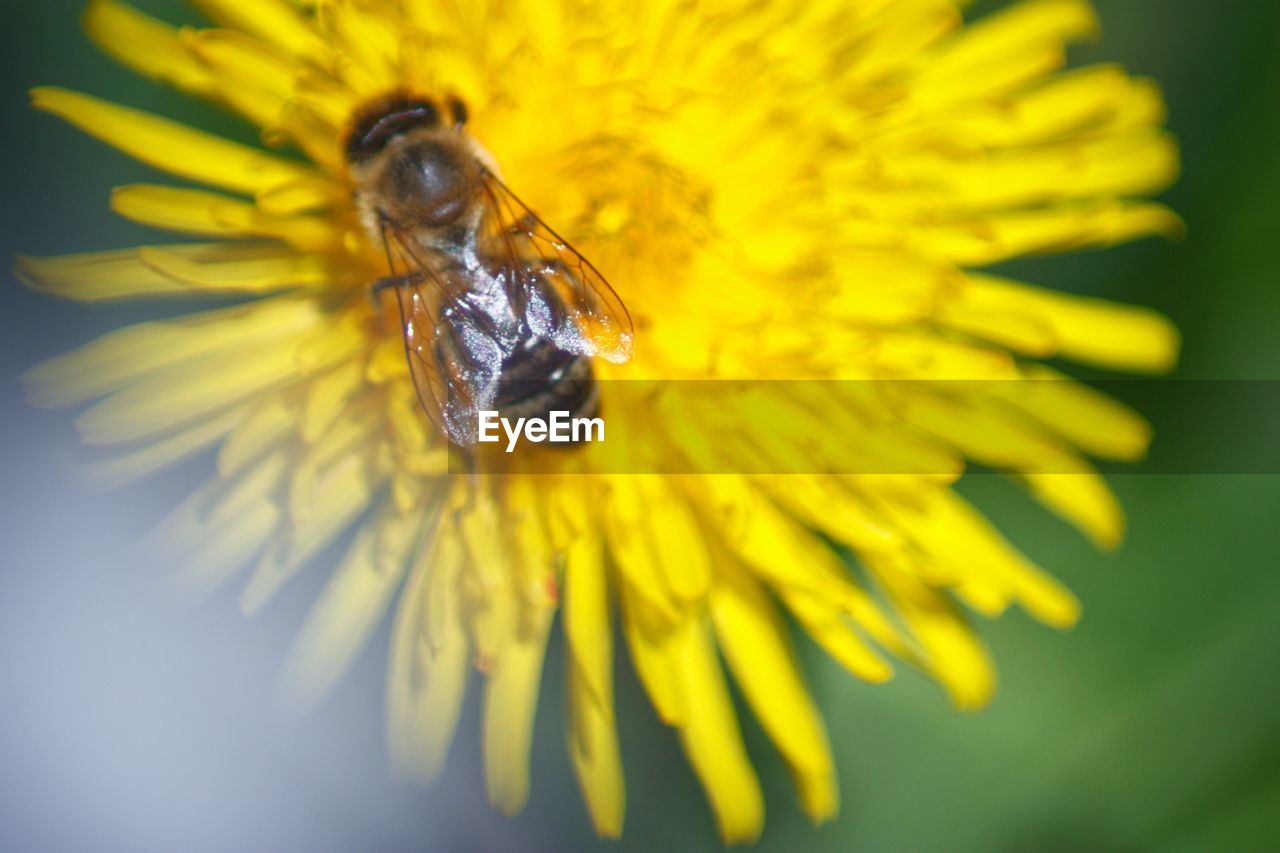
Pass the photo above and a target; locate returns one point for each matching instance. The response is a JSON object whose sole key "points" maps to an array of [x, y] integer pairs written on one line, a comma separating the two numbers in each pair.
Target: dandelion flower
{"points": [[778, 190]]}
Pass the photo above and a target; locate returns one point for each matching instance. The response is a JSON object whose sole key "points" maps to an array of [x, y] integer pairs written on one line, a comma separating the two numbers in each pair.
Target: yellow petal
{"points": [[275, 21], [189, 270], [427, 671], [597, 760], [146, 45], [948, 84], [755, 642], [150, 407], [251, 78], [353, 434], [251, 269], [489, 585], [1097, 424], [678, 549], [827, 504], [587, 627], [341, 494], [1018, 332], [651, 644], [825, 622], [625, 521], [97, 276], [889, 42], [272, 419], [137, 353], [370, 39], [987, 240], [214, 215], [213, 533], [963, 415], [525, 528], [1093, 331], [593, 741], [160, 454], [1075, 491], [327, 398], [224, 550], [510, 701], [954, 655], [966, 544], [1092, 100], [1137, 163], [350, 608], [756, 532], [175, 147], [998, 36], [712, 739]]}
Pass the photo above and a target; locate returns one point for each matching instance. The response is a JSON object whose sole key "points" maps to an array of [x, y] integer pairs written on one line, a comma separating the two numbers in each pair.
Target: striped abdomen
{"points": [[539, 378]]}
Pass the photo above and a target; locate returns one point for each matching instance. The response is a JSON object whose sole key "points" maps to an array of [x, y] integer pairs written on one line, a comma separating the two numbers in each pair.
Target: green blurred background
{"points": [[1155, 724]]}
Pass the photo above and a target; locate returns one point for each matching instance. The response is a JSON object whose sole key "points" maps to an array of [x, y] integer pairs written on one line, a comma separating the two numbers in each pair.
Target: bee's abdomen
{"points": [[539, 378]]}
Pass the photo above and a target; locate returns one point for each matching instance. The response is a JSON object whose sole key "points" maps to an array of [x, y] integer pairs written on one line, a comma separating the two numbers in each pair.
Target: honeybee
{"points": [[498, 311]]}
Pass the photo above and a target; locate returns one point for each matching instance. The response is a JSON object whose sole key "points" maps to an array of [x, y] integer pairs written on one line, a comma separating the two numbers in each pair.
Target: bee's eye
{"points": [[384, 121]]}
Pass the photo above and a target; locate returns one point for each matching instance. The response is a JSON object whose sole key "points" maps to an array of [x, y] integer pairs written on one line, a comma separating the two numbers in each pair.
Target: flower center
{"points": [[635, 211]]}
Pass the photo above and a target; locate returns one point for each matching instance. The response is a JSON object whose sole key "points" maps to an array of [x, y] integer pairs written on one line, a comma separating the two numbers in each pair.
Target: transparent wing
{"points": [[559, 293], [454, 357], [457, 336]]}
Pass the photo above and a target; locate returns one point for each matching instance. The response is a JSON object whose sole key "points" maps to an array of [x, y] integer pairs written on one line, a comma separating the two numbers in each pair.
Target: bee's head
{"points": [[419, 171]]}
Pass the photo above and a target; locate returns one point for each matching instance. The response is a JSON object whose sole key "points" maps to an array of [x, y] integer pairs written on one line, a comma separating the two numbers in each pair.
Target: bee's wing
{"points": [[585, 315], [453, 357]]}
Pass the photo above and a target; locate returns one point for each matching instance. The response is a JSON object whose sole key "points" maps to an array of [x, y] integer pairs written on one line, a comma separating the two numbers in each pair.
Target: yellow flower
{"points": [[777, 189]]}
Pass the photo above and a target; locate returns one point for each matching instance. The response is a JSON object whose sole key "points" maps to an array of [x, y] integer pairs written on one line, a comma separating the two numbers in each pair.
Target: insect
{"points": [[498, 311]]}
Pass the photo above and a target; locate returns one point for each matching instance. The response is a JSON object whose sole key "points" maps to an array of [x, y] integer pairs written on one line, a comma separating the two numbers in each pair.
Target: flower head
{"points": [[778, 190]]}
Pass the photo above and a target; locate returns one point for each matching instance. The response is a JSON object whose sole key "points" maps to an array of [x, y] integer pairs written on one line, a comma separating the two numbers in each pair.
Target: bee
{"points": [[498, 311]]}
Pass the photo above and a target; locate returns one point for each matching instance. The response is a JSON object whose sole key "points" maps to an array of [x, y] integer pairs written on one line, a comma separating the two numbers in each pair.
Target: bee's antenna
{"points": [[459, 110], [375, 292]]}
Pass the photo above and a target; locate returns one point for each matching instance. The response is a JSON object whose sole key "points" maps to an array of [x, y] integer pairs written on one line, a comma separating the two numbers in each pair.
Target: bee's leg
{"points": [[473, 475], [523, 226], [471, 471], [393, 282]]}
